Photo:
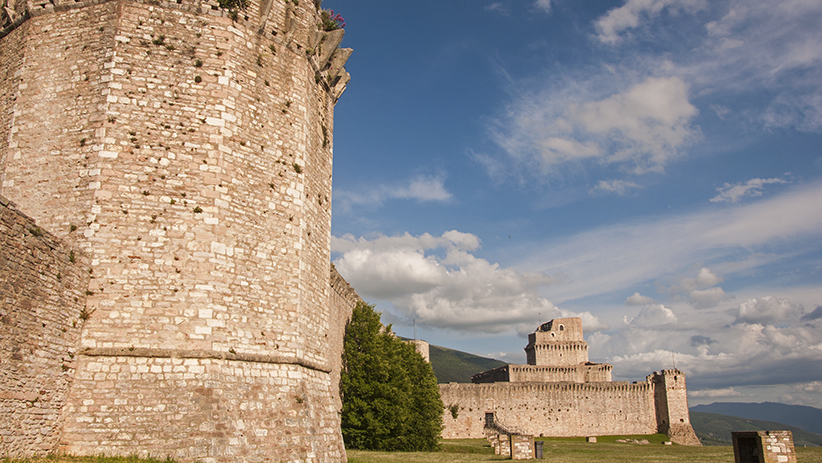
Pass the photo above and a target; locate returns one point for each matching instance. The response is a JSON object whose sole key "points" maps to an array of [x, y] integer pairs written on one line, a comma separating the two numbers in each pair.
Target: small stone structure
{"points": [[522, 447], [763, 447], [561, 393]]}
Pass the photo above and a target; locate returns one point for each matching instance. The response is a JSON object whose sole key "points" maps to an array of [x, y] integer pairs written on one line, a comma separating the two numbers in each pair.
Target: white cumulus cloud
{"points": [[638, 299], [439, 282], [766, 310], [653, 315]]}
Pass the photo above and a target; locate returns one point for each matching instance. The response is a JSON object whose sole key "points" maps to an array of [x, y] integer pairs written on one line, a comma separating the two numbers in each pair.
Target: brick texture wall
{"points": [[551, 409], [42, 303], [191, 153]]}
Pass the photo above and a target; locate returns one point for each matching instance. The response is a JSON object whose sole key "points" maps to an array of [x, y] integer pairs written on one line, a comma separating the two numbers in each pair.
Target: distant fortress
{"points": [[560, 393]]}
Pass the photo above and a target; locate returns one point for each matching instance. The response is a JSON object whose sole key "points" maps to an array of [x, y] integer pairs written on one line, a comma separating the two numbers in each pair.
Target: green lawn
{"points": [[565, 450], [574, 450]]}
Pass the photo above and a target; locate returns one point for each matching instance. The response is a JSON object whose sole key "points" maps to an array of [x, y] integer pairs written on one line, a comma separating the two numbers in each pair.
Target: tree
{"points": [[389, 392]]}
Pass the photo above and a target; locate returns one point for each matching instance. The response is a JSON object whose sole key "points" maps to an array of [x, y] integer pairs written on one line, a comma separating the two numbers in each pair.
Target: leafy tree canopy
{"points": [[390, 396]]}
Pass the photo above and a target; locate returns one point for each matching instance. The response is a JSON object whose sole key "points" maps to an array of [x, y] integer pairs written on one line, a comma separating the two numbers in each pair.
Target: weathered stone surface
{"points": [[522, 447], [189, 156], [41, 313]]}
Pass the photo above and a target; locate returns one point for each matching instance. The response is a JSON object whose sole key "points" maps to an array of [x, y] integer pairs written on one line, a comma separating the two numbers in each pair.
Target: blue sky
{"points": [[653, 166]]}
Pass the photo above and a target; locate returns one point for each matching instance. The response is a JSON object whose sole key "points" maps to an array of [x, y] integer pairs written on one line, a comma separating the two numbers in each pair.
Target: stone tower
{"points": [[671, 399], [556, 351], [185, 150], [558, 342]]}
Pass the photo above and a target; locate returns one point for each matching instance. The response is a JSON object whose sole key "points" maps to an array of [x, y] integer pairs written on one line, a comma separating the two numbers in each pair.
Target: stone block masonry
{"points": [[41, 313], [551, 409], [187, 152], [522, 447]]}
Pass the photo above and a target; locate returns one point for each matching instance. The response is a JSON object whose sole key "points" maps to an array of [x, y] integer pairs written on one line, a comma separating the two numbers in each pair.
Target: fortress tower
{"points": [[556, 351], [185, 151], [671, 400]]}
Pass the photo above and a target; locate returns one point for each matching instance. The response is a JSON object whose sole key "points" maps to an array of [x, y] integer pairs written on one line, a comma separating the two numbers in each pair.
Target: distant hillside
{"points": [[454, 366], [807, 418], [715, 429]]}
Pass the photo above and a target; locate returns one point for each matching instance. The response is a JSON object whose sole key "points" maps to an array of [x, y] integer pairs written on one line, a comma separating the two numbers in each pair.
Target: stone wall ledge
{"points": [[202, 354]]}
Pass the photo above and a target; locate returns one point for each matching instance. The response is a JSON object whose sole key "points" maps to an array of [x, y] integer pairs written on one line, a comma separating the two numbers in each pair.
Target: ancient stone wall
{"points": [[341, 303], [551, 409], [536, 373], [188, 154], [42, 301]]}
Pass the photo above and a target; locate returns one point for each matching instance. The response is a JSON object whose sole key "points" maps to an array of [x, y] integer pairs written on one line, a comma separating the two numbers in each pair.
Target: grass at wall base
{"points": [[574, 450], [565, 450]]}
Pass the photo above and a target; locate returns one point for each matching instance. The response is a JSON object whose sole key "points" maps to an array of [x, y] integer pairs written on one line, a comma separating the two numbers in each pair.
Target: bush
{"points": [[390, 396]]}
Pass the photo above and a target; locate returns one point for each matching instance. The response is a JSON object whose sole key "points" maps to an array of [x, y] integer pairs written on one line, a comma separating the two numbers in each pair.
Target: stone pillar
{"points": [[504, 445]]}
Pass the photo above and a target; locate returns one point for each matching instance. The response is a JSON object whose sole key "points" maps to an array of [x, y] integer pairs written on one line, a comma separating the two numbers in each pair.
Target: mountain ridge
{"points": [[800, 416]]}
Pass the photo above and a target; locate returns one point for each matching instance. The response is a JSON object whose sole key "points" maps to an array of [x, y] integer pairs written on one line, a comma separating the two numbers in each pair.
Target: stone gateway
{"points": [[560, 393], [175, 302]]}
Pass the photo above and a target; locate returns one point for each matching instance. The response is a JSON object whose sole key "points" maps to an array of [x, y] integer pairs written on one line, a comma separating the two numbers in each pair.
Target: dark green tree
{"points": [[390, 396]]}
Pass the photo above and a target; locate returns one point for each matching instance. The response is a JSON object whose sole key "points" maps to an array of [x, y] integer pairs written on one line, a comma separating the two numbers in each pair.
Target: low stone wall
{"points": [[42, 309]]}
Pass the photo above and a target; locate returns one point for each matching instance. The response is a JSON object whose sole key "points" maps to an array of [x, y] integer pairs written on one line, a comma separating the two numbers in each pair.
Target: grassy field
{"points": [[575, 450], [565, 450]]}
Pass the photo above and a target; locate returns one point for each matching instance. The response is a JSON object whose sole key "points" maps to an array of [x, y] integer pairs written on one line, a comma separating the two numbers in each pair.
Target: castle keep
{"points": [[560, 393], [166, 168]]}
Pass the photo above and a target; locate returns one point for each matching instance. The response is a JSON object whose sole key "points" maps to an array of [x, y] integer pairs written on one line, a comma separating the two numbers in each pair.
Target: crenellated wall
{"points": [[187, 151], [551, 409]]}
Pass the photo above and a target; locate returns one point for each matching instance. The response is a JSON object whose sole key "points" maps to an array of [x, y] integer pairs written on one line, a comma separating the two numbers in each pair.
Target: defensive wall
{"points": [[551, 409], [560, 393], [341, 303], [184, 152]]}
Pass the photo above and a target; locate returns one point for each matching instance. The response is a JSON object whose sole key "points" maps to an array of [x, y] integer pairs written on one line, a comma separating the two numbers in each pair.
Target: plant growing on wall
{"points": [[390, 397], [329, 21], [233, 5]]}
